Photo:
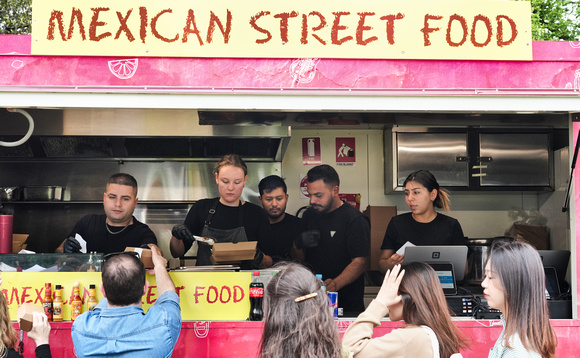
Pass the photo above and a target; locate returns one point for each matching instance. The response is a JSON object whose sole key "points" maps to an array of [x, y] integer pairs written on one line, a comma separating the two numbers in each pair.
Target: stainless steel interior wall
{"points": [[166, 190]]}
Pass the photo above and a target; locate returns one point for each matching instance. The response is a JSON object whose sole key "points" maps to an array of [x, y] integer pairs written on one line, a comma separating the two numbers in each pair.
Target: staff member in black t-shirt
{"points": [[224, 219], [285, 227], [117, 228], [342, 251], [423, 225]]}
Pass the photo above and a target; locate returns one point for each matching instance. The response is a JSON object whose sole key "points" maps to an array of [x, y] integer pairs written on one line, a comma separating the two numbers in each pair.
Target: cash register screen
{"points": [[444, 272]]}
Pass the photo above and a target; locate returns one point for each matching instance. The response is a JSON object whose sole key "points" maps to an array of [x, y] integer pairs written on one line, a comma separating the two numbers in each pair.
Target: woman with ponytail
{"points": [[423, 225]]}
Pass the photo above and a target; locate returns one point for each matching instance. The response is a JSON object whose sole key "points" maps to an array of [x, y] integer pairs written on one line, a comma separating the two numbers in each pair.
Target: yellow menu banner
{"points": [[204, 296], [446, 29]]}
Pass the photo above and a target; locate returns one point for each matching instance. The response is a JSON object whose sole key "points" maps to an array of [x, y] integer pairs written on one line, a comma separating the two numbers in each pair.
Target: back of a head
{"points": [[297, 329], [323, 172], [270, 183], [8, 335], [424, 303], [123, 179], [123, 279], [519, 268]]}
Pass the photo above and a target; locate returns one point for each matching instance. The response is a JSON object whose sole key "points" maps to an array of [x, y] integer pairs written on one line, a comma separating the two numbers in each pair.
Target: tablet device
{"points": [[557, 259], [552, 286], [444, 272], [455, 254]]}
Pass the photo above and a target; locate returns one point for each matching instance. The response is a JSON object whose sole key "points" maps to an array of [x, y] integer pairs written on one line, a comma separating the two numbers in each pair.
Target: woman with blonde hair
{"points": [[39, 333], [415, 296], [297, 319], [226, 218], [422, 225], [514, 284]]}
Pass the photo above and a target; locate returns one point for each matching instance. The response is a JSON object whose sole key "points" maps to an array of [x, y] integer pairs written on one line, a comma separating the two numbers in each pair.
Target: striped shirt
{"points": [[517, 349]]}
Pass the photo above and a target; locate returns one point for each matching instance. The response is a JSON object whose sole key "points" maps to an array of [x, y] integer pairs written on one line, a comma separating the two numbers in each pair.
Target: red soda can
{"points": [[333, 303]]}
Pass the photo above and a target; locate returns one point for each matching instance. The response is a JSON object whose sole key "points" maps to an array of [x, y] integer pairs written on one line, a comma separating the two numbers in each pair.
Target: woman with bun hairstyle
{"points": [[422, 225], [415, 296], [297, 319], [514, 284]]}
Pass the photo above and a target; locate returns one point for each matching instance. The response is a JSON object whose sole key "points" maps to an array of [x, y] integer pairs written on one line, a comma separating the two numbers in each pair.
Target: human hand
{"points": [[157, 257], [181, 232], [258, 257], [40, 329], [395, 259], [71, 245], [331, 285], [389, 292]]}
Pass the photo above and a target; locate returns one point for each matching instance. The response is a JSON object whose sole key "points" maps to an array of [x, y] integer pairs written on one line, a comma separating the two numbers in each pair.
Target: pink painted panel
{"points": [[241, 339], [556, 66], [576, 203]]}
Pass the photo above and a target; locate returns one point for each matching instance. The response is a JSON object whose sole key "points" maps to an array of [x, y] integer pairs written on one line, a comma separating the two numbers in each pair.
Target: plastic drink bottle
{"points": [[256, 297]]}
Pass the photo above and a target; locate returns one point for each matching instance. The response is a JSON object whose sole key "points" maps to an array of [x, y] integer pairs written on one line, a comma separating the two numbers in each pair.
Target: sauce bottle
{"points": [[92, 302], [47, 301], [76, 304], [57, 304]]}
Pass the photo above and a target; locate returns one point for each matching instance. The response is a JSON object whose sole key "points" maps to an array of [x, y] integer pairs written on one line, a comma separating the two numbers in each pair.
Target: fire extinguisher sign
{"points": [[345, 151], [311, 151]]}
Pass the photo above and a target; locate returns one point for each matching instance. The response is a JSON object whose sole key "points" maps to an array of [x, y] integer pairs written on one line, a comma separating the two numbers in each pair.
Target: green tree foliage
{"points": [[554, 20], [15, 16]]}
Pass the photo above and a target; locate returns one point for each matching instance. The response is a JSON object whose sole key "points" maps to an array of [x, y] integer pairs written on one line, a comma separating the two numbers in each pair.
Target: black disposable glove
{"points": [[258, 257], [307, 239], [182, 233], [71, 245]]}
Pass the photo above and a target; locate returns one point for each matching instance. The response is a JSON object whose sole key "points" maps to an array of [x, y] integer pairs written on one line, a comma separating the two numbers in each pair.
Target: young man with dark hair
{"points": [[285, 228], [117, 228], [118, 326], [336, 239]]}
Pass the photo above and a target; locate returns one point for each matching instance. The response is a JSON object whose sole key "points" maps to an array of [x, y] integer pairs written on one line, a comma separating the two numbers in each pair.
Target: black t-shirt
{"points": [[283, 235], [443, 230], [344, 235], [255, 222], [93, 230]]}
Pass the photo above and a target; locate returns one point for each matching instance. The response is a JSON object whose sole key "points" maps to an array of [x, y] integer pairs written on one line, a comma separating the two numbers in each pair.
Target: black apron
{"points": [[218, 235]]}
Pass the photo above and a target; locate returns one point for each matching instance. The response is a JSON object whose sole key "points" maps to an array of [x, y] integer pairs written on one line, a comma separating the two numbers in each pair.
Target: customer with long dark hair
{"points": [[422, 225], [514, 284], [415, 296], [297, 319]]}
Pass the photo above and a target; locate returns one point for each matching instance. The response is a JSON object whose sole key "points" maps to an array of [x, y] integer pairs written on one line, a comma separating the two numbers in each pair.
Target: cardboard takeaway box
{"points": [[230, 252], [24, 315], [145, 254]]}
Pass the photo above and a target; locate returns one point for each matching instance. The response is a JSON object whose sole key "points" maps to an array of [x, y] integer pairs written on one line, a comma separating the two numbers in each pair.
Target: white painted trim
{"points": [[304, 100]]}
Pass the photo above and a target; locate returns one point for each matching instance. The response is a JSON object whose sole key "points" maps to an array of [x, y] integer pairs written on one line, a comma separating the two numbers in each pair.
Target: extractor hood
{"points": [[126, 134]]}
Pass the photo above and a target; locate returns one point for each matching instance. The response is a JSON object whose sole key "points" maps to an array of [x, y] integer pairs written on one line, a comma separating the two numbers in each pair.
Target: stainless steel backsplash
{"points": [[166, 190]]}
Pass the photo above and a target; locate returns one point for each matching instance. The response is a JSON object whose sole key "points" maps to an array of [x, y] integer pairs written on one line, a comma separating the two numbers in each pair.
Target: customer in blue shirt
{"points": [[118, 326]]}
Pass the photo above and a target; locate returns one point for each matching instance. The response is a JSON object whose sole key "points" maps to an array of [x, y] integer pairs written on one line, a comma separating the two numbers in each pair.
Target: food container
{"points": [[9, 193], [43, 193]]}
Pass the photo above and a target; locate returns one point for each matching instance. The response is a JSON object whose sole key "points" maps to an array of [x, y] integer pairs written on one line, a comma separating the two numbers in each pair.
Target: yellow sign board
{"points": [[416, 29], [204, 296]]}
